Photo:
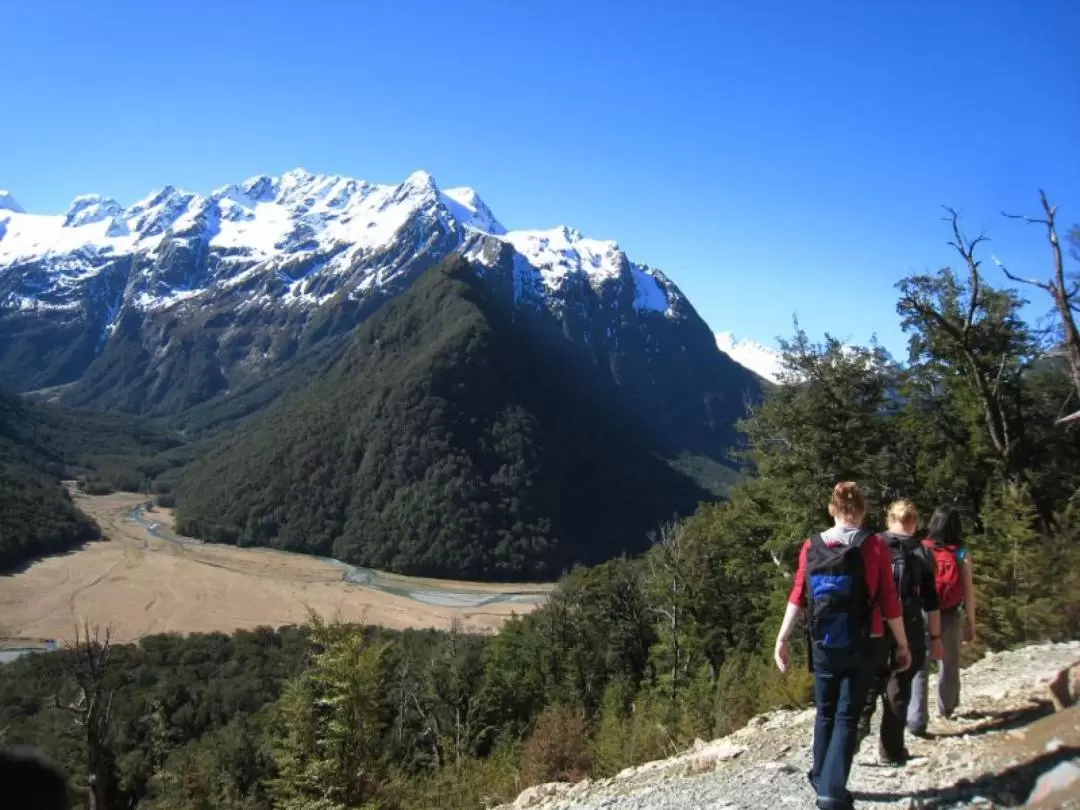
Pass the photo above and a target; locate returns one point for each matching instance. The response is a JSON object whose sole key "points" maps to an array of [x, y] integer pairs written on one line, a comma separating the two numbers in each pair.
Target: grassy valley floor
{"points": [[140, 580]]}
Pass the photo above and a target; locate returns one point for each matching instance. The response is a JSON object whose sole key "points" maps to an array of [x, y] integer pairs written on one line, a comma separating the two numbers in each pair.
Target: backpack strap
{"points": [[857, 542], [861, 536]]}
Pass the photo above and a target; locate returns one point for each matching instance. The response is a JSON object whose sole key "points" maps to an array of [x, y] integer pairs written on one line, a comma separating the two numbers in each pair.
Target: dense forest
{"points": [[446, 441], [631, 659], [40, 445]]}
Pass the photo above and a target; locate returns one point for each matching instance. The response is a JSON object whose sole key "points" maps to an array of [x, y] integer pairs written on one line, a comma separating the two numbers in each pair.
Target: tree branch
{"points": [[1032, 281], [966, 248]]}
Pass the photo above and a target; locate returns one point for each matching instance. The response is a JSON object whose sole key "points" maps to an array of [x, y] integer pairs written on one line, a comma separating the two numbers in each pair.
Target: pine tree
{"points": [[1015, 581], [333, 720]]}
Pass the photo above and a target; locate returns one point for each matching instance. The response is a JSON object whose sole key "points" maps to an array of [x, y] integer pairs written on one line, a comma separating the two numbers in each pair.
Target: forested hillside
{"points": [[41, 445], [446, 441], [633, 659]]}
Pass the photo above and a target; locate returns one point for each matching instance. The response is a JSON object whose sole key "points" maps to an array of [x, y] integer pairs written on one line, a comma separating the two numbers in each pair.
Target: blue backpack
{"points": [[839, 609]]}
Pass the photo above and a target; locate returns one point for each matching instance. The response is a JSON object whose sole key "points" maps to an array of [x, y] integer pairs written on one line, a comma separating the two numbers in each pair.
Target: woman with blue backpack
{"points": [[844, 584], [956, 600]]}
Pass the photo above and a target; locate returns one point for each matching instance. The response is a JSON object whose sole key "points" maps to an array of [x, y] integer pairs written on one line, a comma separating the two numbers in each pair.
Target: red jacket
{"points": [[879, 580]]}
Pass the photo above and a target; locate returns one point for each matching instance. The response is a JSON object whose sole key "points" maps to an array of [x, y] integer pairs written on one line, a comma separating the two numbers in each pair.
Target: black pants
{"points": [[894, 690]]}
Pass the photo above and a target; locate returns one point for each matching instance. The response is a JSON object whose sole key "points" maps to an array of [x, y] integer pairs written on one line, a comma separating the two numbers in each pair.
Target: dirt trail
{"points": [[140, 583], [1003, 739]]}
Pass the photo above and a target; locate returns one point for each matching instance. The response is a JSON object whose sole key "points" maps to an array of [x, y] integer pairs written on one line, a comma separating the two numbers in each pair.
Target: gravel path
{"points": [[976, 760]]}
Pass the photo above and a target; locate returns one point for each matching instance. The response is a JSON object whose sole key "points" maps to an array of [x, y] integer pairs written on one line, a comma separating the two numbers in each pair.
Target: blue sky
{"points": [[774, 158]]}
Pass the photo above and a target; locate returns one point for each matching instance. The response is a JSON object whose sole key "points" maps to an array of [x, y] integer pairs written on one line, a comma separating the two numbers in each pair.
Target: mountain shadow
{"points": [[40, 445], [445, 441]]}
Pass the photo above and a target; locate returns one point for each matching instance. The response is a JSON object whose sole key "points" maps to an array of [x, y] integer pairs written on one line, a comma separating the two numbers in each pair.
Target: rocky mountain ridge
{"points": [[270, 266]]}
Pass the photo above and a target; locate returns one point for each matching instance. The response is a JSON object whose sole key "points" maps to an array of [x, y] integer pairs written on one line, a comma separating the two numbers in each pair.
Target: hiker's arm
{"points": [[899, 633], [891, 609], [928, 594], [887, 598], [931, 605], [937, 646], [969, 596], [780, 654], [791, 615]]}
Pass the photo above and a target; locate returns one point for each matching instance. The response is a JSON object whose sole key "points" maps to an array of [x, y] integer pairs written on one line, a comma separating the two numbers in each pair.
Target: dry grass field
{"points": [[141, 581]]}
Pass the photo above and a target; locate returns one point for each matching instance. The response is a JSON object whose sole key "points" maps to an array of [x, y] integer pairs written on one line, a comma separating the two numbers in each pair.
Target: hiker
{"points": [[956, 600], [913, 576], [845, 579]]}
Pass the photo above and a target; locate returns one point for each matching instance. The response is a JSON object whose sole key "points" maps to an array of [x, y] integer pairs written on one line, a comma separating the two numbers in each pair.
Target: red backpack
{"points": [[947, 576]]}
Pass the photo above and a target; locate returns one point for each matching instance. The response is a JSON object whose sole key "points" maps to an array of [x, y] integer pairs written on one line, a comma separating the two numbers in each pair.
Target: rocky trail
{"points": [[1008, 745]]}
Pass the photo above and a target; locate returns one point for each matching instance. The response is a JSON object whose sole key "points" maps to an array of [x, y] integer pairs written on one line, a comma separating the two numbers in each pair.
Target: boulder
{"points": [[1057, 783], [1065, 687], [711, 755], [537, 794]]}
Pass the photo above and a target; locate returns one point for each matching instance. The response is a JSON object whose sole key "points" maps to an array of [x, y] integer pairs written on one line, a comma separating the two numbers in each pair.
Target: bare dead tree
{"points": [[960, 330], [668, 586], [90, 706], [1062, 290]]}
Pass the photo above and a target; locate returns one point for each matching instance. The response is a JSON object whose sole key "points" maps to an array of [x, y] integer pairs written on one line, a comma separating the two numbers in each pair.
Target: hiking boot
{"points": [[892, 761], [825, 803], [921, 733], [848, 798]]}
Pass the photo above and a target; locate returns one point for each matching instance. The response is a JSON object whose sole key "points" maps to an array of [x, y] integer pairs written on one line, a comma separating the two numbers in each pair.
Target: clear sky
{"points": [[773, 157]]}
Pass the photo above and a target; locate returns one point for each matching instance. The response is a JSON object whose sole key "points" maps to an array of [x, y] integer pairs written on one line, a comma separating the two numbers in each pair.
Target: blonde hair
{"points": [[847, 502], [902, 512]]}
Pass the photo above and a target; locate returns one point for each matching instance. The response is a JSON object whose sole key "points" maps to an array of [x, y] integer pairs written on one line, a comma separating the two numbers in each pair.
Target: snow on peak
{"points": [[278, 219], [761, 360], [467, 208], [9, 203], [90, 208], [419, 180]]}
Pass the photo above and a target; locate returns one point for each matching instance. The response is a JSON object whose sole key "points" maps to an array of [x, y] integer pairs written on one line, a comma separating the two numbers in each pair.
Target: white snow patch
{"points": [[648, 292], [761, 360], [561, 251], [467, 208], [159, 302]]}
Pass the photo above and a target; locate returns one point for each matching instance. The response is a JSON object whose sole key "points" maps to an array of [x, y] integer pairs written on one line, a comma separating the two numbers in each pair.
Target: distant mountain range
{"points": [[220, 313], [271, 251]]}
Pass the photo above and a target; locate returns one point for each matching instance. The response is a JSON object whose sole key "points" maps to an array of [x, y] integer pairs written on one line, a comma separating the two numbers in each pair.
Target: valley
{"points": [[140, 580]]}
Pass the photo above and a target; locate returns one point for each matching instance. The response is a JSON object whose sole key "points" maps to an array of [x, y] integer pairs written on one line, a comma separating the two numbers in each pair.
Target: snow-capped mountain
{"points": [[299, 238], [182, 298], [763, 361]]}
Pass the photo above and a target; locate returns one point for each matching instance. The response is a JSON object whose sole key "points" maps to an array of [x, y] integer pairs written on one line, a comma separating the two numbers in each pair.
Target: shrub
{"points": [[558, 748]]}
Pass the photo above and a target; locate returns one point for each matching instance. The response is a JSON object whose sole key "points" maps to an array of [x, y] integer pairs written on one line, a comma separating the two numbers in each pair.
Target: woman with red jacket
{"points": [[845, 582]]}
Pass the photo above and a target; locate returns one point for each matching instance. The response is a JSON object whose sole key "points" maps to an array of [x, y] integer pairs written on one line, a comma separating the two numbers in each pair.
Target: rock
{"points": [[533, 796], [580, 788], [783, 767], [1065, 687], [1063, 777], [710, 756]]}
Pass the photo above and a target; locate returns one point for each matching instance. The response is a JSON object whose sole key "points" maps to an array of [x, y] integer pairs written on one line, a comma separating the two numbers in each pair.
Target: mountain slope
{"points": [[451, 438], [38, 517], [39, 446]]}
